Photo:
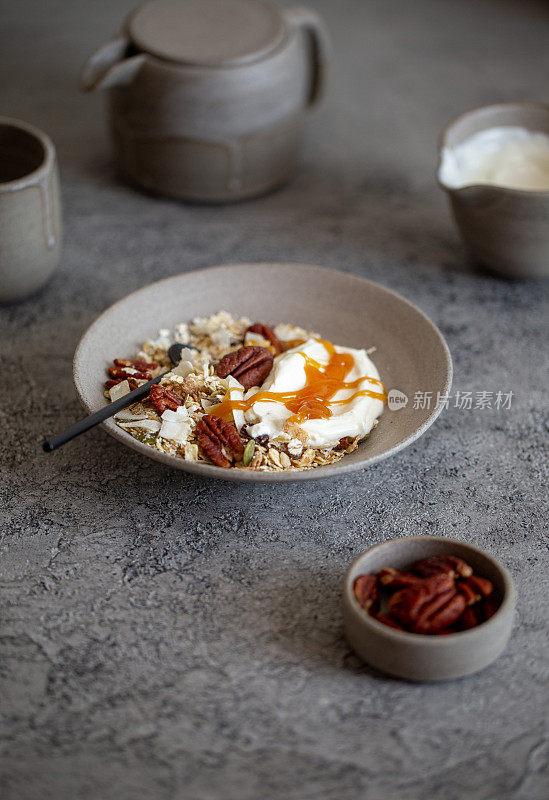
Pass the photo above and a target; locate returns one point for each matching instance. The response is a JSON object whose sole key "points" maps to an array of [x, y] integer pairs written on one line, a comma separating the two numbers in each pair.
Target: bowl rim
{"points": [[248, 476], [421, 639], [441, 144]]}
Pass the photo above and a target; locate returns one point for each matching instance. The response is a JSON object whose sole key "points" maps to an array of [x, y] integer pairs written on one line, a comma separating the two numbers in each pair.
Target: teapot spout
{"points": [[109, 66]]}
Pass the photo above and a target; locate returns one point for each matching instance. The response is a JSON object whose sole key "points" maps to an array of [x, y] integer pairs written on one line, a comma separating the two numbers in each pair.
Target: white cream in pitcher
{"points": [[508, 156]]}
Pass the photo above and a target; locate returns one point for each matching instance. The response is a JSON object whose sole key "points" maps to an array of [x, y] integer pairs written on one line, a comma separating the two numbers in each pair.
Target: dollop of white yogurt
{"points": [[507, 156], [355, 418]]}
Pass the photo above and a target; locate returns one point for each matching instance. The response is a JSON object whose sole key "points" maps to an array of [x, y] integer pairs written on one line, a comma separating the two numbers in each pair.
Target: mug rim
{"points": [[30, 178], [544, 193]]}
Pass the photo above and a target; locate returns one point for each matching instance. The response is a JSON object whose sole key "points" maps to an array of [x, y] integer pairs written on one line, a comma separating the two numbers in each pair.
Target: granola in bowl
{"points": [[249, 396]]}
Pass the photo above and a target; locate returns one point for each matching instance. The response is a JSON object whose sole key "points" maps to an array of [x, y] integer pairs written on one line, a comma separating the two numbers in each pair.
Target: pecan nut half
{"points": [[266, 333], [131, 383], [489, 607], [435, 565], [250, 365], [482, 586], [398, 579], [469, 592], [212, 433], [407, 604], [366, 591], [141, 366], [131, 370], [442, 612], [163, 399], [469, 619]]}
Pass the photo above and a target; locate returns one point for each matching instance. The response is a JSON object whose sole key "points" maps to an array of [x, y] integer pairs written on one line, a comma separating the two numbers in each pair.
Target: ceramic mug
{"points": [[30, 212], [505, 229]]}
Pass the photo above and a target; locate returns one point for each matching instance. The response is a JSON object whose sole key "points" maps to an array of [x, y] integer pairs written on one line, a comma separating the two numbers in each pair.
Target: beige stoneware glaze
{"points": [[207, 98], [411, 353]]}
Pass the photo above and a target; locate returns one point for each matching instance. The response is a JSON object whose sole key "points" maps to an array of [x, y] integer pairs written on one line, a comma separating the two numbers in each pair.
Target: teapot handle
{"points": [[313, 26], [108, 67]]}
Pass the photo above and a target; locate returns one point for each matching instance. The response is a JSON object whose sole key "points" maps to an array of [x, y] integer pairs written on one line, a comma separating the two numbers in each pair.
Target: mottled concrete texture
{"points": [[168, 637]]}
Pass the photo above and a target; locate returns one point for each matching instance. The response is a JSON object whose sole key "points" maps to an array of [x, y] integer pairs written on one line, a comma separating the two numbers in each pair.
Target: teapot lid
{"points": [[207, 32]]}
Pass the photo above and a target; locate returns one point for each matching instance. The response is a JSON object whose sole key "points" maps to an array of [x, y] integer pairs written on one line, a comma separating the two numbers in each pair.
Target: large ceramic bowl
{"points": [[411, 353]]}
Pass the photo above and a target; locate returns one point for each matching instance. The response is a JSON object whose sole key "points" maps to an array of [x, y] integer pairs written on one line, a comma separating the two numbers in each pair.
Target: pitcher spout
{"points": [[110, 66]]}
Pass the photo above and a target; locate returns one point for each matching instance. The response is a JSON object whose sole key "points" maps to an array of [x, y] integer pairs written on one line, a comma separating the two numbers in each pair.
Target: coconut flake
{"points": [[183, 369], [287, 332], [222, 338], [119, 390], [162, 342], [126, 416], [181, 333], [236, 392], [176, 425], [295, 447], [150, 425], [191, 452]]}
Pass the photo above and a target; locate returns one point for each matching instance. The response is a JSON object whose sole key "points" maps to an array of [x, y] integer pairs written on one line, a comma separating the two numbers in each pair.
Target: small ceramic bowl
{"points": [[505, 229], [417, 657]]}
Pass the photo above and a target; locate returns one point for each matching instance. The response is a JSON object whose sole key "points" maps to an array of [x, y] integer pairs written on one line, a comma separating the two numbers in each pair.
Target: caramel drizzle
{"points": [[323, 381]]}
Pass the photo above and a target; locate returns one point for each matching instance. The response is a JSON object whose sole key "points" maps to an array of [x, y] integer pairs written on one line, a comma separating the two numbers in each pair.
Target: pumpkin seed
{"points": [[143, 436], [248, 453]]}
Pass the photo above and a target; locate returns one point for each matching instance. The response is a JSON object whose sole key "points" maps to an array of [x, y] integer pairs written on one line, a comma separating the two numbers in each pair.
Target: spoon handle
{"points": [[110, 410]]}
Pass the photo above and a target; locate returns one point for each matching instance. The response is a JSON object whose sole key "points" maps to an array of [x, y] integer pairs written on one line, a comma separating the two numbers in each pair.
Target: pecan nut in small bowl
{"points": [[428, 608], [431, 596], [366, 591], [415, 605], [249, 365]]}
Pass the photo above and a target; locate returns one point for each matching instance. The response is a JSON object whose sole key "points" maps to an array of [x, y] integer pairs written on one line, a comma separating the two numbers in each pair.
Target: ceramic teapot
{"points": [[207, 98]]}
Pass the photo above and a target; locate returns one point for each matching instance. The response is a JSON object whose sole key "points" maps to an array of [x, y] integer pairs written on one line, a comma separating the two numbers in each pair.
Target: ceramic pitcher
{"points": [[207, 98], [505, 229]]}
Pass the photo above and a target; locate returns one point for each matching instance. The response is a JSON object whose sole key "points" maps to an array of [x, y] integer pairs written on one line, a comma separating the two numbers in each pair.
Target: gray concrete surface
{"points": [[167, 637]]}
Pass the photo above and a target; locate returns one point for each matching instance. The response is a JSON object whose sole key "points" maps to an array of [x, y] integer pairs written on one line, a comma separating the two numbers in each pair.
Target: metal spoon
{"points": [[83, 425]]}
